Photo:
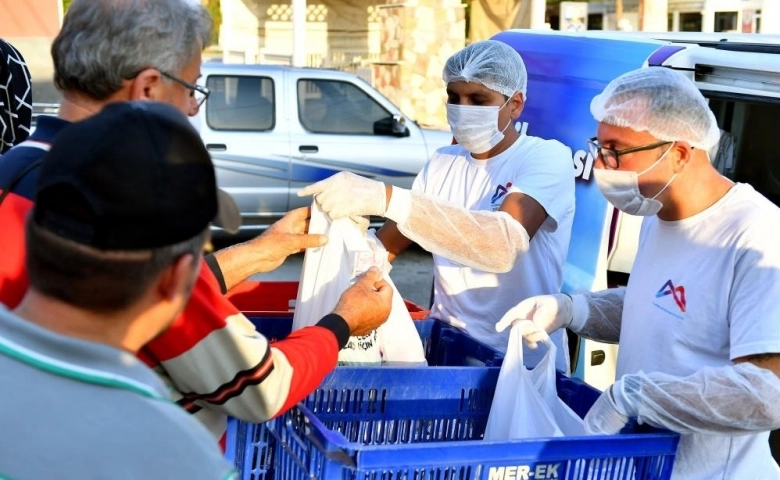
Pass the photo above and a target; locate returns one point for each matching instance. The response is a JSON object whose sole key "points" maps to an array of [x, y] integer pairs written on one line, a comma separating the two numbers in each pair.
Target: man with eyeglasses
{"points": [[699, 322], [198, 93], [217, 364]]}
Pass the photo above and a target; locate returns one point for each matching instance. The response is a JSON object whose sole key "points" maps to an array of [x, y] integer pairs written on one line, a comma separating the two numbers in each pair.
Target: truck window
{"points": [[747, 151], [240, 103], [331, 106]]}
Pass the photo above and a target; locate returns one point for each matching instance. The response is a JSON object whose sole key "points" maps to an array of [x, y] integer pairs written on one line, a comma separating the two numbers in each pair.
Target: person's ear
{"points": [[682, 155], [176, 279], [517, 104], [146, 85]]}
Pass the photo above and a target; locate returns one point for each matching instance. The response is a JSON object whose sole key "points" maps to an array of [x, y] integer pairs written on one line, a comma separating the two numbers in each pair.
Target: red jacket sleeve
{"points": [[215, 359], [13, 272]]}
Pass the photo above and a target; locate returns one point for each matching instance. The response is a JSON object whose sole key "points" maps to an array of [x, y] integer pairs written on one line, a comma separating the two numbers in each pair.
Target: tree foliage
{"points": [[212, 6], [216, 16]]}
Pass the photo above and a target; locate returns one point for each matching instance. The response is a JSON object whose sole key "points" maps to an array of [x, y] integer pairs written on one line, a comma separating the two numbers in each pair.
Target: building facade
{"points": [[728, 16], [31, 26]]}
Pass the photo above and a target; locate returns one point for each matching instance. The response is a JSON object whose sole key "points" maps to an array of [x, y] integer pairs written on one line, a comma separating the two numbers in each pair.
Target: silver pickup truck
{"points": [[272, 130]]}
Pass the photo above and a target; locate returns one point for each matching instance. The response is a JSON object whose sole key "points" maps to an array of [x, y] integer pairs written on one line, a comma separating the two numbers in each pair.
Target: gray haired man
{"points": [[218, 365]]}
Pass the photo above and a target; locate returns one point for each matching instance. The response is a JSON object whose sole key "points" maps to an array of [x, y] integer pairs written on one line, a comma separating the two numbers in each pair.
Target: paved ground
{"points": [[412, 274]]}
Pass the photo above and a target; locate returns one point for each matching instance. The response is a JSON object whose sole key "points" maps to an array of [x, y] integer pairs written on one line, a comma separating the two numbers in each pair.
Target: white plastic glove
{"points": [[604, 417], [348, 195], [547, 312], [362, 223]]}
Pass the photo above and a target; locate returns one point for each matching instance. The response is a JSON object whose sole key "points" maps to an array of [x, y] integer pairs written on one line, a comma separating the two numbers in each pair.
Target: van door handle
{"points": [[308, 149], [216, 147]]}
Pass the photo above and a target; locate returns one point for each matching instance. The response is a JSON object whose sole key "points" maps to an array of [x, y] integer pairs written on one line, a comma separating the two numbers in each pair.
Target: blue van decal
{"points": [[562, 79], [311, 171]]}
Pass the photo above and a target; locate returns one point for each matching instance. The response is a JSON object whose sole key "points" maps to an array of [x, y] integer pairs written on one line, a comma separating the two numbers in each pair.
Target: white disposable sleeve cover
{"points": [[730, 400], [598, 315], [488, 241]]}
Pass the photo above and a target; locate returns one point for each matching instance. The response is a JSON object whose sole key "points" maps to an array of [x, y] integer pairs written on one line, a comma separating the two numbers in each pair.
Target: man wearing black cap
{"points": [[216, 363], [105, 279]]}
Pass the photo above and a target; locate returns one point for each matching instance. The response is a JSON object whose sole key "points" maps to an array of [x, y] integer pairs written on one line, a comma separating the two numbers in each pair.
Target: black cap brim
{"points": [[228, 216]]}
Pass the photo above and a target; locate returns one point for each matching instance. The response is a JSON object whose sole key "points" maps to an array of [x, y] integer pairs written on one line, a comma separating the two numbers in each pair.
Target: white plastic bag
{"points": [[330, 269], [526, 404]]}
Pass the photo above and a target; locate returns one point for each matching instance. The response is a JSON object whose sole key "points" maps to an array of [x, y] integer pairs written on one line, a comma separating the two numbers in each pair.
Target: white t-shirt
{"points": [[704, 291], [475, 300]]}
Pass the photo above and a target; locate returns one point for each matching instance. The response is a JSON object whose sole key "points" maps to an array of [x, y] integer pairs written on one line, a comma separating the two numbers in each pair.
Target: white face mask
{"points": [[621, 188], [476, 127]]}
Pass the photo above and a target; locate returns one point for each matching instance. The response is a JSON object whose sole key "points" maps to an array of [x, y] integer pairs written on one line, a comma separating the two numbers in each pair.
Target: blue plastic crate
{"points": [[395, 423], [445, 346]]}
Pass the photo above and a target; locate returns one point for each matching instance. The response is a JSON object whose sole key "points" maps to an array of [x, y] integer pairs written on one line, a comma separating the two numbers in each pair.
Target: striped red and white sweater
{"points": [[212, 356]]}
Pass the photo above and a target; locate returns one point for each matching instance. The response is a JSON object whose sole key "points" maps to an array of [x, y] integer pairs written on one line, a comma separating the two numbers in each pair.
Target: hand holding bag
{"points": [[330, 269]]}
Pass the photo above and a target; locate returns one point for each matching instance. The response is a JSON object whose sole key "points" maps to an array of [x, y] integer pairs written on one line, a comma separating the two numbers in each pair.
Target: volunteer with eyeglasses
{"points": [[699, 322], [495, 209]]}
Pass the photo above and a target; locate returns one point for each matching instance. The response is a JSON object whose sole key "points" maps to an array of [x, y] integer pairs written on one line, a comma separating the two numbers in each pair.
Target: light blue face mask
{"points": [[476, 127], [621, 189]]}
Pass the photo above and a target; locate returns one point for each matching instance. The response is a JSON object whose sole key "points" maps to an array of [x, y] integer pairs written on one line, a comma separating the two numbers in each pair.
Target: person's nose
{"points": [[194, 108]]}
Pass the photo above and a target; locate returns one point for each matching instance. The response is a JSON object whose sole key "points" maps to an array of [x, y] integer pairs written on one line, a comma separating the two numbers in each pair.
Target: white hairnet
{"points": [[494, 64], [661, 101]]}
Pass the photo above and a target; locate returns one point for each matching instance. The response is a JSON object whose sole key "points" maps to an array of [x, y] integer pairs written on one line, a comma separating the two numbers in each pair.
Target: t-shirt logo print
{"points": [[677, 293], [501, 190]]}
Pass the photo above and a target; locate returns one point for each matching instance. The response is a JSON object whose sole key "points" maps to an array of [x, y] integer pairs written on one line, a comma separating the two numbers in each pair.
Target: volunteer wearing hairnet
{"points": [[699, 322], [495, 210]]}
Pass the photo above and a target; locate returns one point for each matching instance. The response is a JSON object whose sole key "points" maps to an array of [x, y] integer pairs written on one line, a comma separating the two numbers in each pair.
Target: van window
{"points": [[331, 106], [240, 103], [747, 151]]}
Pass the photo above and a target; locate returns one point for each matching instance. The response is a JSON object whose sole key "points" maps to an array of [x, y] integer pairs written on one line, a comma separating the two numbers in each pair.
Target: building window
{"points": [[726, 21], [595, 21], [240, 103], [690, 22], [670, 22]]}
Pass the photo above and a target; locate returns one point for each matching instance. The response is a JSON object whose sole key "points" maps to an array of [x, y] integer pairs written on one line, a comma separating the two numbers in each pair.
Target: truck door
{"points": [[246, 134]]}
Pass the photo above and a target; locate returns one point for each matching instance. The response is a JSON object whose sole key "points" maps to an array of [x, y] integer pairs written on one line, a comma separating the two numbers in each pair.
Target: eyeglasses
{"points": [[198, 92], [610, 156]]}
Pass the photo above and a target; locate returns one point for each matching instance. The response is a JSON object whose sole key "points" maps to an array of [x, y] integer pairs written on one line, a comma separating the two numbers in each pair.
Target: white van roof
{"points": [[707, 38], [684, 37], [730, 63]]}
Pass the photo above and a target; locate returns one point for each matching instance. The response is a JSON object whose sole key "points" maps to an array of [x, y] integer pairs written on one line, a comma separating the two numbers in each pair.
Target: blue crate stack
{"points": [[426, 423]]}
